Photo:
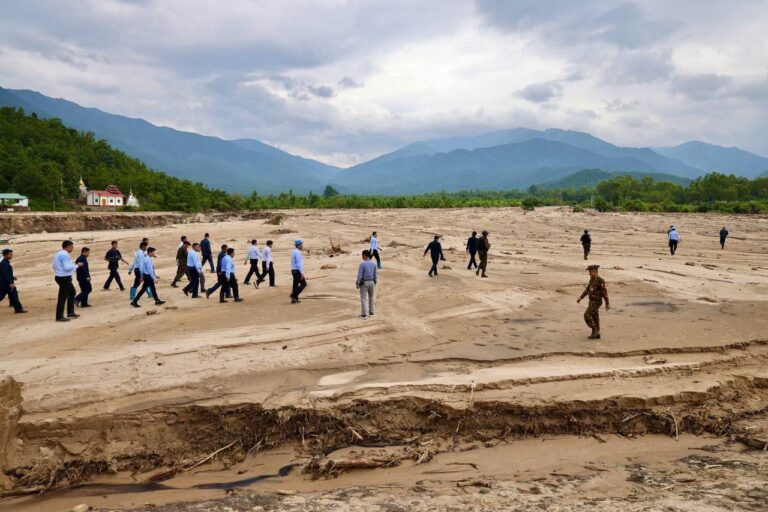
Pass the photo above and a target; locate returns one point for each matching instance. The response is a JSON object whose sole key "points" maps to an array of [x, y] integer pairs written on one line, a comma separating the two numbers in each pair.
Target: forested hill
{"points": [[43, 159]]}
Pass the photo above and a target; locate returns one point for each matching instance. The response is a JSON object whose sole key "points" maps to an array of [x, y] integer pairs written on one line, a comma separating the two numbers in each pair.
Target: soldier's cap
{"points": [[485, 231], [593, 267]]}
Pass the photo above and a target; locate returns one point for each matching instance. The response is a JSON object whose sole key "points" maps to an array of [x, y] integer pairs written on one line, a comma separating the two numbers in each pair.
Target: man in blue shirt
{"points": [[472, 250], [206, 251], [114, 257], [135, 267], [436, 252], [297, 271], [230, 282], [149, 277], [366, 283], [62, 271], [219, 275], [8, 282], [83, 278], [194, 269]]}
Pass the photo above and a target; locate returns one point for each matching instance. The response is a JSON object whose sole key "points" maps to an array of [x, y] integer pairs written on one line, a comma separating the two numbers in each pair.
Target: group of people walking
{"points": [[191, 259]]}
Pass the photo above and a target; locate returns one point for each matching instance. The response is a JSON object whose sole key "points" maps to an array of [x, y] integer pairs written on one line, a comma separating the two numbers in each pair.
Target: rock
{"points": [[82, 508], [328, 267], [685, 478]]}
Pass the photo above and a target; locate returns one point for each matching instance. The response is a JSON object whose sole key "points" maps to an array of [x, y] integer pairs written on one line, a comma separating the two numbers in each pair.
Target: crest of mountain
{"points": [[659, 163], [589, 178], [507, 166], [711, 157], [236, 166]]}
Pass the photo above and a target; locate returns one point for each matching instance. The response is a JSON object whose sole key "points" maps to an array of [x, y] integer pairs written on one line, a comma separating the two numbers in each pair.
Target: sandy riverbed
{"points": [[681, 327]]}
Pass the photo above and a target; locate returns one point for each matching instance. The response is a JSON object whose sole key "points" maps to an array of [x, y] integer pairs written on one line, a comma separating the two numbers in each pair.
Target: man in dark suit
{"points": [[83, 275], [206, 251], [8, 282]]}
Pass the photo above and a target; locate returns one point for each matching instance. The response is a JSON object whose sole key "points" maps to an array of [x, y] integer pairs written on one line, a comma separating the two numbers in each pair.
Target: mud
{"points": [[28, 223], [128, 404]]}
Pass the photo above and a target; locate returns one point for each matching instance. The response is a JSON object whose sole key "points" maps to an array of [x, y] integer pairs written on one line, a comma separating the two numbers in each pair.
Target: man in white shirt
{"points": [[297, 271], [194, 269], [267, 266], [228, 271], [253, 257], [374, 249], [62, 270], [150, 279], [674, 239], [135, 266]]}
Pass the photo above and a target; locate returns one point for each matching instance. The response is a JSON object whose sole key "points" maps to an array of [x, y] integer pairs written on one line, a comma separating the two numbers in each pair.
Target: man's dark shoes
{"points": [[159, 302], [73, 315], [21, 311], [223, 301], [207, 294], [186, 292], [238, 299], [135, 304], [62, 319]]}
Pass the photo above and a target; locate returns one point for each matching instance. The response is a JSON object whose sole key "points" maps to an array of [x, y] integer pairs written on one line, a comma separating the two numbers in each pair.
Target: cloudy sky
{"points": [[343, 81]]}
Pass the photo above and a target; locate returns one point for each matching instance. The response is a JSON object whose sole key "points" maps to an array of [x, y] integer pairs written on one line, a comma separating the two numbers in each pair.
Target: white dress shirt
{"points": [[62, 264], [193, 260], [227, 266], [266, 253], [254, 253], [374, 244]]}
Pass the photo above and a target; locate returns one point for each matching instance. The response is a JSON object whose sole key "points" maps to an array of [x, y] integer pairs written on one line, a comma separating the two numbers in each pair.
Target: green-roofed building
{"points": [[12, 201]]}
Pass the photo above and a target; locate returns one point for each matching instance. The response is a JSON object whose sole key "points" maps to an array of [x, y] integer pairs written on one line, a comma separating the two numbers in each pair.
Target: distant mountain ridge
{"points": [[235, 166], [514, 158]]}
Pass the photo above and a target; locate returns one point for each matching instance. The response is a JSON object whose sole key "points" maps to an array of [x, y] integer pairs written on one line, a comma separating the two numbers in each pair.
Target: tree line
{"points": [[43, 159]]}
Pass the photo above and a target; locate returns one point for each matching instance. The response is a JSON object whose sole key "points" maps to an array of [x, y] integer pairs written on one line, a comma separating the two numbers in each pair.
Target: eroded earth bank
{"points": [[461, 393]]}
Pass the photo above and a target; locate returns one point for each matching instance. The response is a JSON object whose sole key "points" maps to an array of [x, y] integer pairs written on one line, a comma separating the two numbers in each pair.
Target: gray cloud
{"points": [[541, 93], [291, 73]]}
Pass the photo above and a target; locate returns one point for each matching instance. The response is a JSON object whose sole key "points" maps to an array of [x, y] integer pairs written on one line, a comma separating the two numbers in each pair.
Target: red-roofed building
{"points": [[111, 197]]}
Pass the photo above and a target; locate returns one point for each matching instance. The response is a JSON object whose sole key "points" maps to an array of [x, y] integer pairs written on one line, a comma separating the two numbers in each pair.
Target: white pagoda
{"points": [[132, 200]]}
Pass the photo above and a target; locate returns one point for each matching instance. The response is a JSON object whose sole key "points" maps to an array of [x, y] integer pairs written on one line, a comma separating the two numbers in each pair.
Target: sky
{"points": [[345, 81]]}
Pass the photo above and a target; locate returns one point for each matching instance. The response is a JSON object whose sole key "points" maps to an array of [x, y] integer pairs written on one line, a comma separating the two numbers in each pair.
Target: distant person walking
{"points": [[674, 239], [374, 249], [149, 279], [597, 291], [267, 264], [253, 257], [366, 283], [181, 262], [8, 282], [194, 269], [472, 250], [297, 271], [114, 257], [83, 275], [62, 271], [206, 251], [435, 251], [483, 246], [230, 281], [135, 266], [723, 235], [586, 243]]}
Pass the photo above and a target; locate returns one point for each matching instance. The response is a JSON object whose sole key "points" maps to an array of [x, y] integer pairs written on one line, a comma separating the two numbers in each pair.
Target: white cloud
{"points": [[345, 80]]}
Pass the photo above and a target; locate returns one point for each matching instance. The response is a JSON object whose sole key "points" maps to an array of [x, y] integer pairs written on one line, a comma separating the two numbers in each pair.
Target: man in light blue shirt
{"points": [[674, 239], [366, 283], [135, 267], [228, 273], [149, 278], [194, 269], [62, 270], [297, 271], [374, 249]]}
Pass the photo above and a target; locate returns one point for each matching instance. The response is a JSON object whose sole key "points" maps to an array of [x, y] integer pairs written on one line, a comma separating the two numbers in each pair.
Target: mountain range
{"points": [[515, 158]]}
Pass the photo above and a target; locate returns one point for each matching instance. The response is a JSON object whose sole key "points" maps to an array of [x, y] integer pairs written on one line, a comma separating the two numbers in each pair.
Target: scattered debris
{"points": [[282, 231], [276, 220], [328, 266]]}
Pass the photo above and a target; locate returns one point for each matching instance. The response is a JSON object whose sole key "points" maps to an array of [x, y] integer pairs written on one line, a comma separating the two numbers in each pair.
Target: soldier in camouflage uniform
{"points": [[597, 291]]}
